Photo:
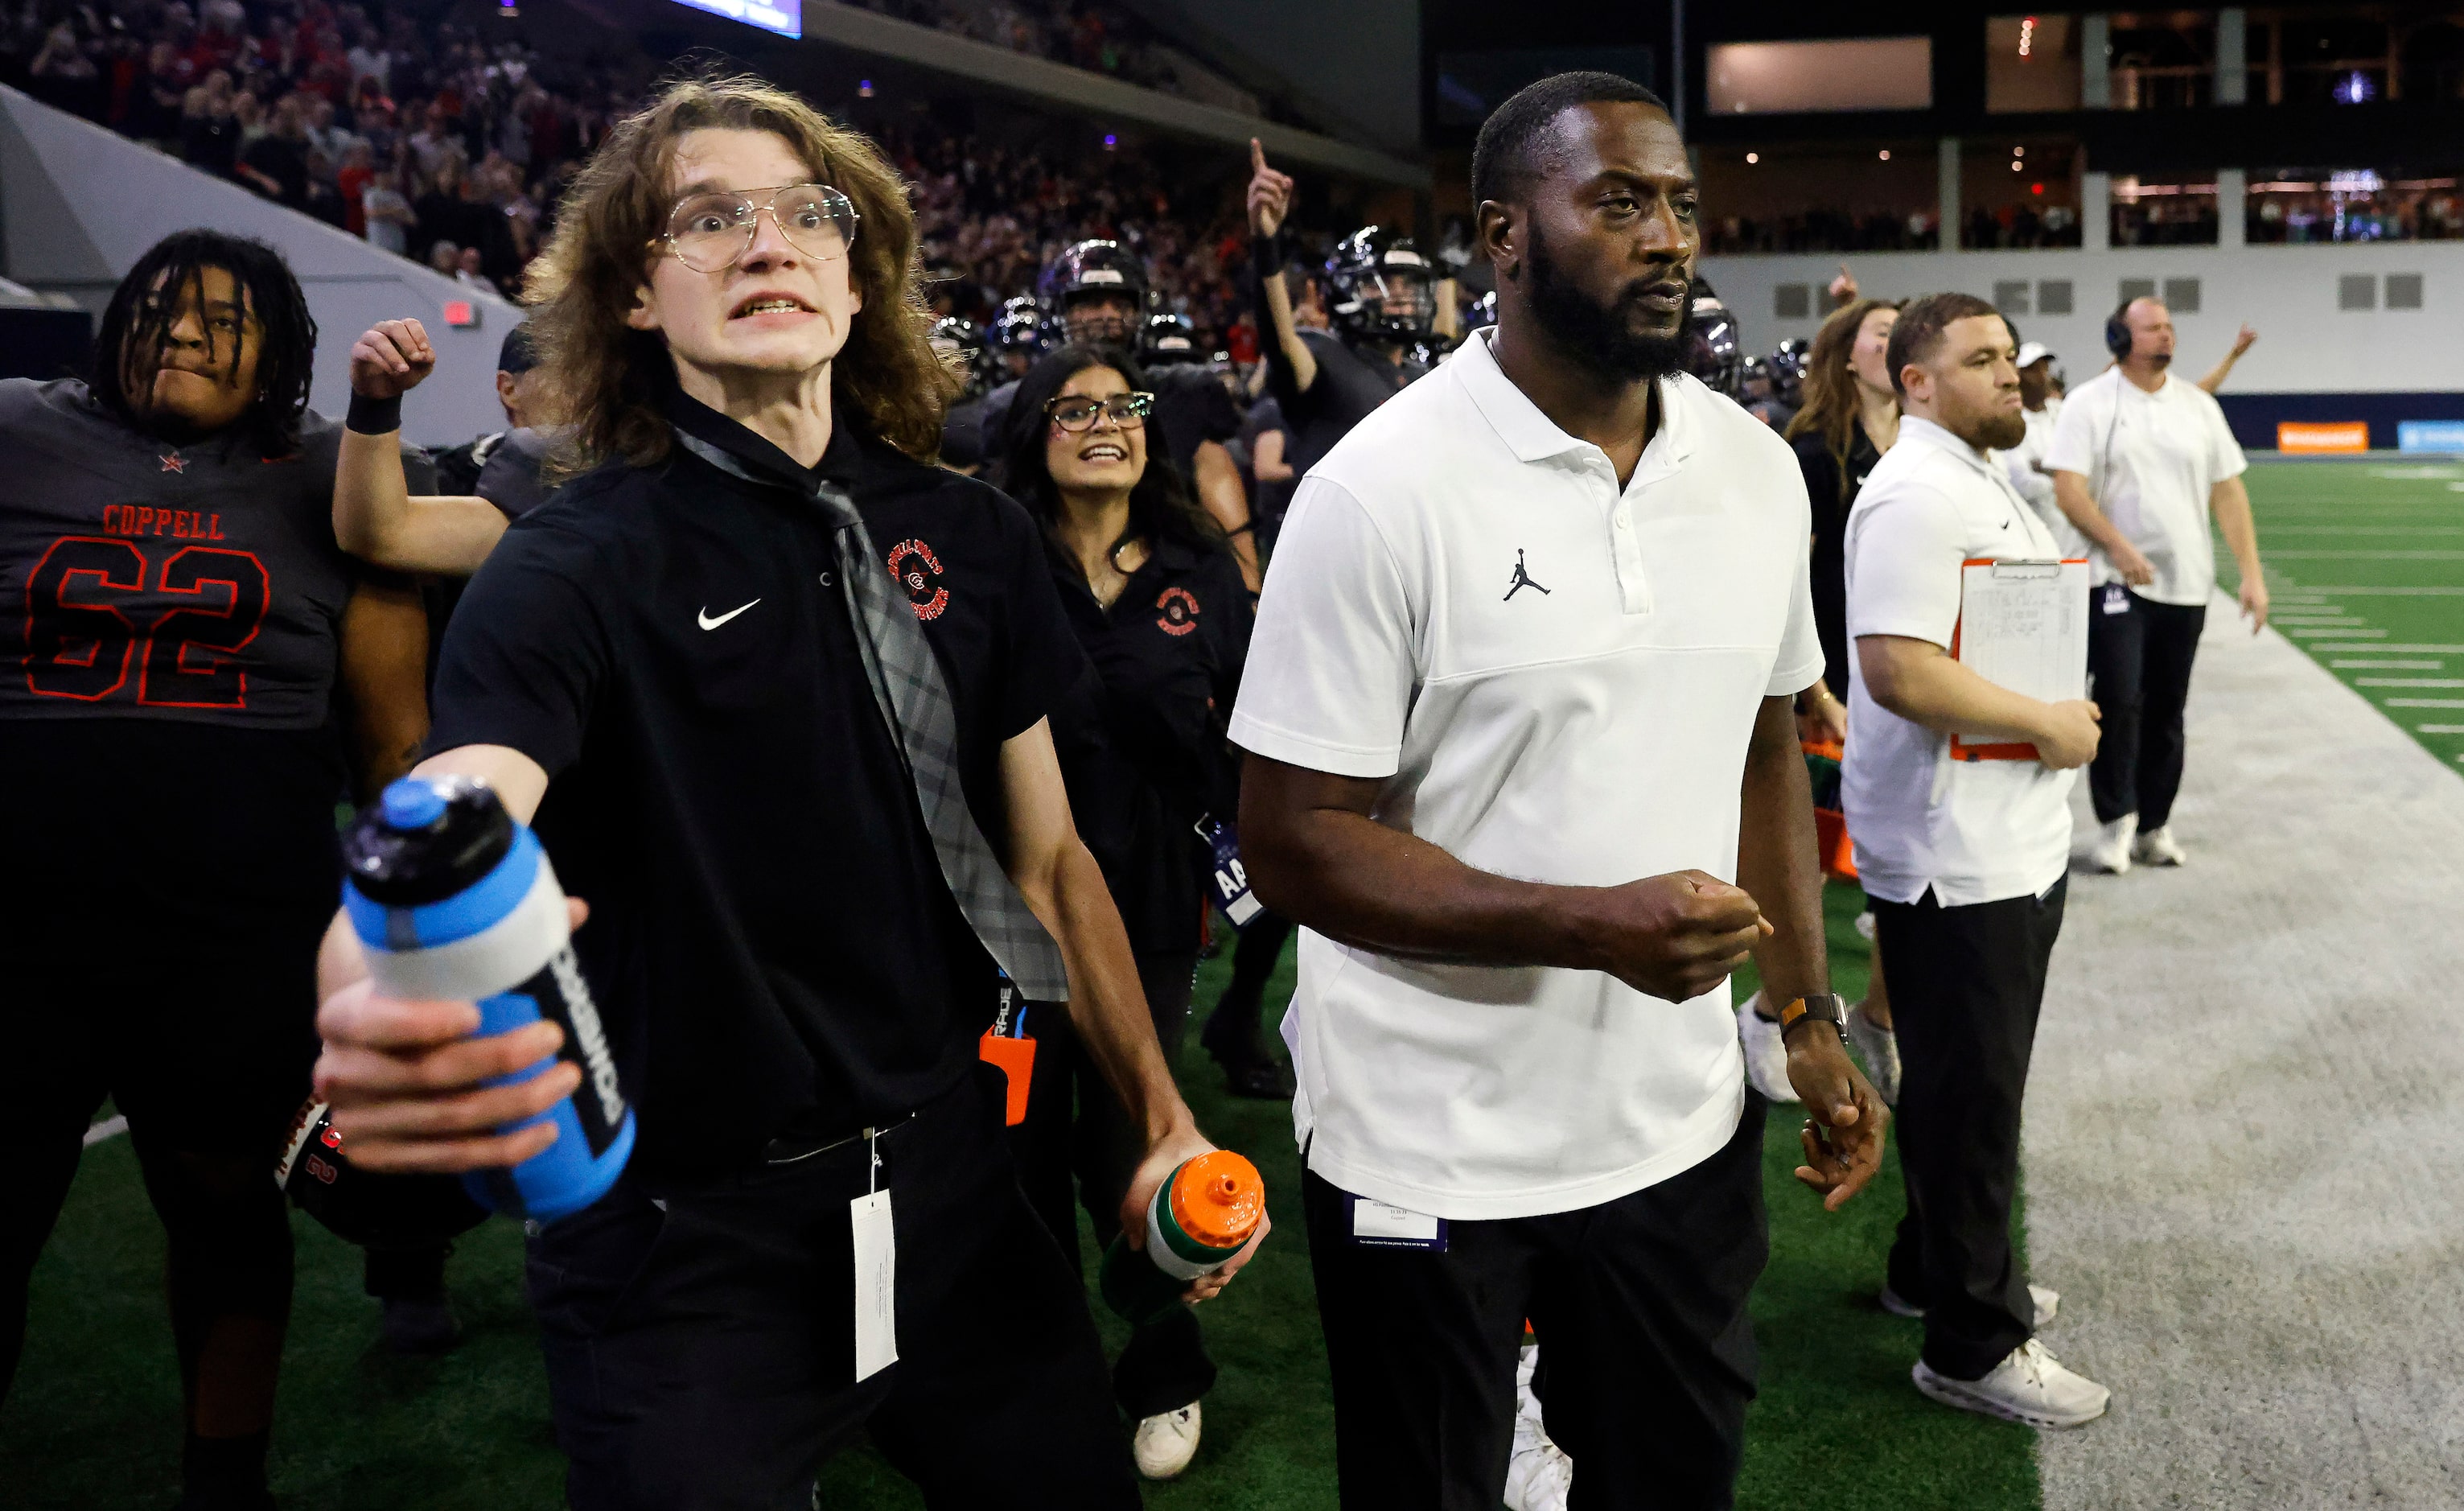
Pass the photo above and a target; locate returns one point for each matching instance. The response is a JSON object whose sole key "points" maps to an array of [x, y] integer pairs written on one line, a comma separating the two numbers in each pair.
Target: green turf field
{"points": [[93, 1421], [2366, 563]]}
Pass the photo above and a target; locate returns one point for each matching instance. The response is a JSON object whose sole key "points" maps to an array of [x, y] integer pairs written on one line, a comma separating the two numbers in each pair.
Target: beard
{"points": [[2000, 433], [1600, 335]]}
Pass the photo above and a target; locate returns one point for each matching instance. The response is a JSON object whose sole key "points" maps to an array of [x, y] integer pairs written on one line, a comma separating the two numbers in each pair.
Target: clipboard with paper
{"points": [[2022, 626]]}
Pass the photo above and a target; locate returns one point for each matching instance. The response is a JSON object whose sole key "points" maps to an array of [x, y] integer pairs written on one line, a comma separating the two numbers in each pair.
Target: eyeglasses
{"points": [[1127, 410], [708, 231]]}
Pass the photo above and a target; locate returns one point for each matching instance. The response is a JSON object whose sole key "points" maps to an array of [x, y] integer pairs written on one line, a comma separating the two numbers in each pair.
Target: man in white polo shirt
{"points": [[1964, 861], [1533, 633], [2141, 461]]}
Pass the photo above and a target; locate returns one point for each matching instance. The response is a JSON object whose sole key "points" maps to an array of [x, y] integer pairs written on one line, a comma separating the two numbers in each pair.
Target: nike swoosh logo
{"points": [[709, 623]]}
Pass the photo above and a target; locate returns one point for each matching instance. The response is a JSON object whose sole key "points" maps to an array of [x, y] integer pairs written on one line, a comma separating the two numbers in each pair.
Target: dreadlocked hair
{"points": [[612, 379], [129, 342]]}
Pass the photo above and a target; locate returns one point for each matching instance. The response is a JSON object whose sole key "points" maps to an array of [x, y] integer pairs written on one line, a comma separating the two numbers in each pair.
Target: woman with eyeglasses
{"points": [[1149, 584]]}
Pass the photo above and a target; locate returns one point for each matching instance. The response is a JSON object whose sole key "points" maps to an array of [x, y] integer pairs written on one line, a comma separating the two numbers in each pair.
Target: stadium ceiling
{"points": [[832, 24]]}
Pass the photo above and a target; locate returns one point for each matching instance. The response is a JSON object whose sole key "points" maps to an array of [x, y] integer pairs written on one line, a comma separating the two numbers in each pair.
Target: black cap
{"points": [[517, 355]]}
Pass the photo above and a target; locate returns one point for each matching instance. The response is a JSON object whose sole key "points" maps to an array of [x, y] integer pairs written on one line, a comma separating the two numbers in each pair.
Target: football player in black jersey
{"points": [[1097, 294], [178, 621]]}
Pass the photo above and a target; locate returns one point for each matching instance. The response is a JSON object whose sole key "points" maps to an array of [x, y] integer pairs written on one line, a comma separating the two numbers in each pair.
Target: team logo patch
{"points": [[1179, 611], [173, 462], [919, 572]]}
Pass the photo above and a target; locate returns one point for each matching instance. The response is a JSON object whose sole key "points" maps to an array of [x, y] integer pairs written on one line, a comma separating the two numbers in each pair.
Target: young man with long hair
{"points": [[180, 627], [775, 691]]}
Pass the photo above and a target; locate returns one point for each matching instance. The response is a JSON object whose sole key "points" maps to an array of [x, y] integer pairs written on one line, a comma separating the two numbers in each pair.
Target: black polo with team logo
{"points": [[771, 938], [1142, 744]]}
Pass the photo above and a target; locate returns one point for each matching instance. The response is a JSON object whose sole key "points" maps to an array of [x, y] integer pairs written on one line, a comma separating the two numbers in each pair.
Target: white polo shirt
{"points": [[2025, 463], [1556, 681], [1973, 830], [2150, 460]]}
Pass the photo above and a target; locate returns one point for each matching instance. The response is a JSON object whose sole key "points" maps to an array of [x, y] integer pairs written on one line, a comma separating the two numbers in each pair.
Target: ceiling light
{"points": [[1887, 154], [1754, 157]]}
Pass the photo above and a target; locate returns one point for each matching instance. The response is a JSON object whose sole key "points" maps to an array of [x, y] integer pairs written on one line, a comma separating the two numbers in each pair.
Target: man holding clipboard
{"points": [[1966, 726]]}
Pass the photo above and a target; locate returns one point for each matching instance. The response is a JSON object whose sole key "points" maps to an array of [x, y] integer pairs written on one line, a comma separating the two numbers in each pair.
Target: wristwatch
{"points": [[1829, 1006]]}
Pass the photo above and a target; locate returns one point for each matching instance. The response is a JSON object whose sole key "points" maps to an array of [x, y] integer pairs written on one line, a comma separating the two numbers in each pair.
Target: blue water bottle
{"points": [[454, 900]]}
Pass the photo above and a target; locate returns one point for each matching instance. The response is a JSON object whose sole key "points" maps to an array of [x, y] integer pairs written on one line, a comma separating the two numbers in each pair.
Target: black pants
{"points": [[701, 1356], [1965, 986], [1076, 1127], [2141, 661], [1646, 1355], [205, 1042]]}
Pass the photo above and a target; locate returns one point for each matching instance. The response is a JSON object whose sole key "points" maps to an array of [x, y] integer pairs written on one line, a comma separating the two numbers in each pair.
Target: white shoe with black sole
{"points": [[1166, 1443], [1766, 1052], [1539, 1475], [2159, 848], [2110, 851], [2048, 1302], [2029, 1386]]}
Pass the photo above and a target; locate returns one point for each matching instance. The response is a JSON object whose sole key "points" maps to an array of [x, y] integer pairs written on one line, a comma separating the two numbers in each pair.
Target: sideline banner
{"points": [[2345, 436], [2430, 435]]}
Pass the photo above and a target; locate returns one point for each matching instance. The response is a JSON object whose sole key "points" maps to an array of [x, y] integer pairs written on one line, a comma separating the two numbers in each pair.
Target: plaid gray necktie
{"points": [[916, 704]]}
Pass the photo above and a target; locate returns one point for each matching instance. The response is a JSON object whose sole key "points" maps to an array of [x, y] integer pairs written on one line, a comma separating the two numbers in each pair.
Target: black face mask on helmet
{"points": [[1714, 351], [960, 342], [1167, 340], [1092, 270], [1380, 288]]}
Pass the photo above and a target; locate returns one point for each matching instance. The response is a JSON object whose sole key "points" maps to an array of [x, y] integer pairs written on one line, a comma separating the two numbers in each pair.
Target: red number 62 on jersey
{"points": [[81, 641]]}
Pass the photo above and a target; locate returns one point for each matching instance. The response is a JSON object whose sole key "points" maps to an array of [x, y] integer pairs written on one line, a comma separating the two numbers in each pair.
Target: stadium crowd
{"points": [[431, 141]]}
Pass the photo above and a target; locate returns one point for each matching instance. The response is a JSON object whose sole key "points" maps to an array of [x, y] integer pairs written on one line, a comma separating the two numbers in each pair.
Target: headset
{"points": [[2117, 332]]}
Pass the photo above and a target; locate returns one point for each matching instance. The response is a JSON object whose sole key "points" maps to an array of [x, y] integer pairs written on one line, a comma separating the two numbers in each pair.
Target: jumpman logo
{"points": [[1522, 579]]}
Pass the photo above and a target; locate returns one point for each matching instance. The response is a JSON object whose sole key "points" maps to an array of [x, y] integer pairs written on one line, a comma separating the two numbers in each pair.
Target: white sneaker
{"points": [[2111, 852], [1166, 1444], [1766, 1052], [2159, 848], [1539, 1475], [2028, 1385], [1865, 927], [1879, 1048], [2048, 1302]]}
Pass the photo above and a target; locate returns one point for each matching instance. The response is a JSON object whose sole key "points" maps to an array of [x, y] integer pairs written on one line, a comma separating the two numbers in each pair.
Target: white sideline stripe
{"points": [[2442, 729], [2387, 666], [2389, 593], [2317, 631], [2425, 702], [2369, 555], [2408, 682], [110, 1127], [2397, 648]]}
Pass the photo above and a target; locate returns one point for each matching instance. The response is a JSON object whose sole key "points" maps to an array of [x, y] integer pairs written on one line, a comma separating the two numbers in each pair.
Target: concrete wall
{"points": [[1359, 60], [80, 205], [2307, 345]]}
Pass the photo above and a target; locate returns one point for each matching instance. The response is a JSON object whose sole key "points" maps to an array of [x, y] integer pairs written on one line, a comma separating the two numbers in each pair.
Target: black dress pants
{"points": [[2140, 658], [1647, 1353], [701, 1341], [1965, 986], [1077, 1133]]}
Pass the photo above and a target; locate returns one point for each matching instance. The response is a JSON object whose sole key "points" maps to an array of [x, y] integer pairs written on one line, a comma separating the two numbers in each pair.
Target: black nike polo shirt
{"points": [[1142, 742], [771, 938]]}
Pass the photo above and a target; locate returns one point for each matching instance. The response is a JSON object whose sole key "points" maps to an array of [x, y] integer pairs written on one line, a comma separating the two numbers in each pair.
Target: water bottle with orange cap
{"points": [[1198, 1219]]}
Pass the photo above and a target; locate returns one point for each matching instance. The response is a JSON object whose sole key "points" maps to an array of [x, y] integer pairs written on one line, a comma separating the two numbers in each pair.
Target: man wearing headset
{"points": [[2141, 461]]}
